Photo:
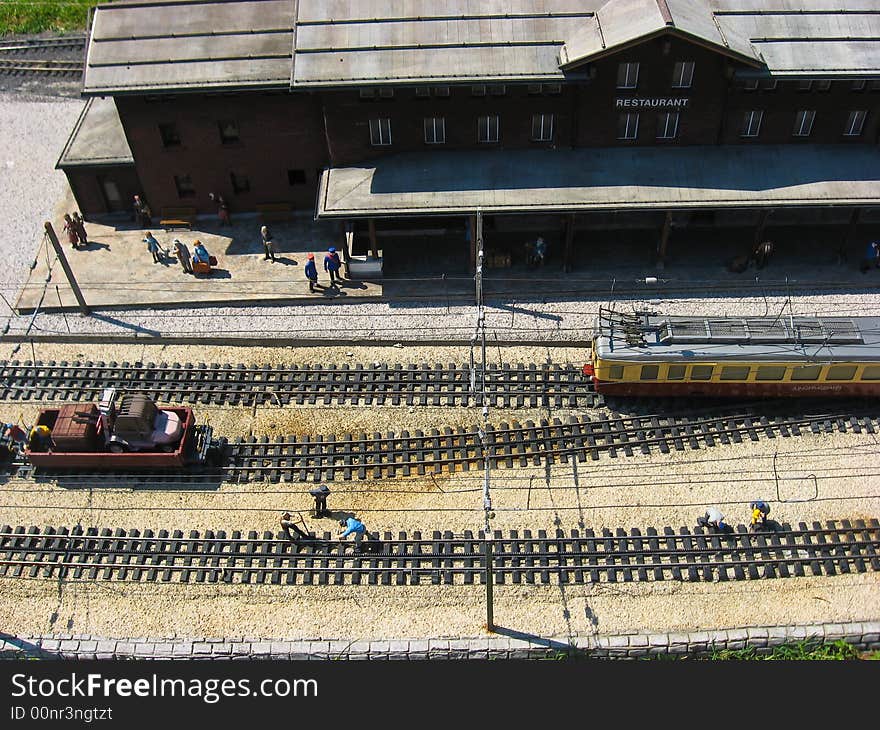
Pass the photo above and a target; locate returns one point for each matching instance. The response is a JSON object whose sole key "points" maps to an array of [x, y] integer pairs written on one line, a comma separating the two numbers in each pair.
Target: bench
{"points": [[177, 218], [275, 211]]}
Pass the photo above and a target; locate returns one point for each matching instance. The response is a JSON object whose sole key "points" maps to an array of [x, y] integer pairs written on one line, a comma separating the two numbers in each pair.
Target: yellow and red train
{"points": [[648, 354]]}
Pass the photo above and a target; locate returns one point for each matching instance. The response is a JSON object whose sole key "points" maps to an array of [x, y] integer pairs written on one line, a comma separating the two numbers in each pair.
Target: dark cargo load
{"points": [[135, 417], [75, 428]]}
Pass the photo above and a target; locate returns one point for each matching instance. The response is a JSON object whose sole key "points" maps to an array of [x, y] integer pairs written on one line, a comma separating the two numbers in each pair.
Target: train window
{"points": [[701, 372], [649, 372], [676, 372], [770, 372], [735, 372], [615, 372], [807, 372], [841, 372], [871, 372]]}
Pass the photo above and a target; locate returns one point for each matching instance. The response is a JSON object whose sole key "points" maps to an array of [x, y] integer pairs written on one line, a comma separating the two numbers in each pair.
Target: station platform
{"points": [[116, 271]]}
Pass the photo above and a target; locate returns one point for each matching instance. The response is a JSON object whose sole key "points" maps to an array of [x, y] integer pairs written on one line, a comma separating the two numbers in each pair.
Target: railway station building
{"points": [[571, 119]]}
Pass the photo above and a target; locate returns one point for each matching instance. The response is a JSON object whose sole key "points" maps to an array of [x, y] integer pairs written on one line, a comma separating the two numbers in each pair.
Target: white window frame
{"points": [[478, 90], [630, 126], [441, 91], [856, 116], [823, 85], [805, 85], [423, 92], [803, 122], [752, 123], [769, 84], [435, 130], [380, 132], [683, 75], [858, 85], [663, 120], [487, 122], [750, 84], [630, 73], [544, 124], [497, 90]]}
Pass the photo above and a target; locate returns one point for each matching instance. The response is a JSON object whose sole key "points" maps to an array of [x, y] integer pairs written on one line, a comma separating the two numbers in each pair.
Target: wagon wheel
{"points": [[117, 448]]}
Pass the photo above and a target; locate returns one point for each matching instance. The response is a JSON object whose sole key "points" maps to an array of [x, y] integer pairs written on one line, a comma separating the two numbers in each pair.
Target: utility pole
{"points": [[68, 272], [484, 431]]}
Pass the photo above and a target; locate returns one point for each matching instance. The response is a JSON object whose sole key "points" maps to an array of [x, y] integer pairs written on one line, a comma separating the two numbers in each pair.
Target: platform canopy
{"points": [[594, 179]]}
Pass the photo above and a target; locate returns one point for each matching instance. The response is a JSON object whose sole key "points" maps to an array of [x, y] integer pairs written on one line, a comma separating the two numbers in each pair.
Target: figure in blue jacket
{"points": [[352, 526], [332, 264], [311, 272]]}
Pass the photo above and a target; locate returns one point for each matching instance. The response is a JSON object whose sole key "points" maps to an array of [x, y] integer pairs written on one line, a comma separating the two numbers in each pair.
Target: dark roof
{"points": [[616, 178], [179, 45], [97, 139]]}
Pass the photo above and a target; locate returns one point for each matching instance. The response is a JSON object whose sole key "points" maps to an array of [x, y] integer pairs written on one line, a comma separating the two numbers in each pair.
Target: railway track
{"points": [[512, 386], [43, 66], [510, 445], [574, 557], [327, 458], [38, 45]]}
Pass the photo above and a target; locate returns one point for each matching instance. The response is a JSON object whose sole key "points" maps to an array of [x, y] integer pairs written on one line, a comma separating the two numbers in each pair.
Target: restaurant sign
{"points": [[671, 103]]}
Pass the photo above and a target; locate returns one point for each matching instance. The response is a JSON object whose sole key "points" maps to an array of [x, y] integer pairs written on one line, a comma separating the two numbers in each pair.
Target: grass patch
{"points": [[36, 17], [800, 651]]}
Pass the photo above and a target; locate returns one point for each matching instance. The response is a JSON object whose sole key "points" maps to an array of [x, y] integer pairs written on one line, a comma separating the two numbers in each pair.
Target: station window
{"points": [[386, 92], [702, 372], [488, 128], [667, 125], [770, 372], [750, 84], [751, 126], [478, 90], [240, 183], [769, 84], [441, 91], [841, 372], [228, 131], [170, 135], [823, 85], [855, 122], [628, 126], [807, 372], [367, 93], [184, 186], [615, 372], [423, 91], [649, 372], [534, 89], [805, 85], [676, 372], [683, 75], [735, 372], [296, 177], [858, 85], [380, 132], [803, 123], [542, 127], [874, 85], [435, 130], [627, 75], [552, 89], [871, 372], [497, 89]]}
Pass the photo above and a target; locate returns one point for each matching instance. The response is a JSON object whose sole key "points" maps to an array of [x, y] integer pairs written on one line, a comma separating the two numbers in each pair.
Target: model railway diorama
{"points": [[648, 354], [120, 433]]}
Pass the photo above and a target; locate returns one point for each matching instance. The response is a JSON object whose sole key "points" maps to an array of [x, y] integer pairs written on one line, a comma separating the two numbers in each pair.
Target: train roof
{"points": [[647, 336]]}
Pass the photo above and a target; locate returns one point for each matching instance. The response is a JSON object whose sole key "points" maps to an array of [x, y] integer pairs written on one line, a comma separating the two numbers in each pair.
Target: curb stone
{"points": [[863, 635]]}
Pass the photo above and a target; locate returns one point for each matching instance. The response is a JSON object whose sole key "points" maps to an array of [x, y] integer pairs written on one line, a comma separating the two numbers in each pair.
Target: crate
{"points": [[75, 428]]}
